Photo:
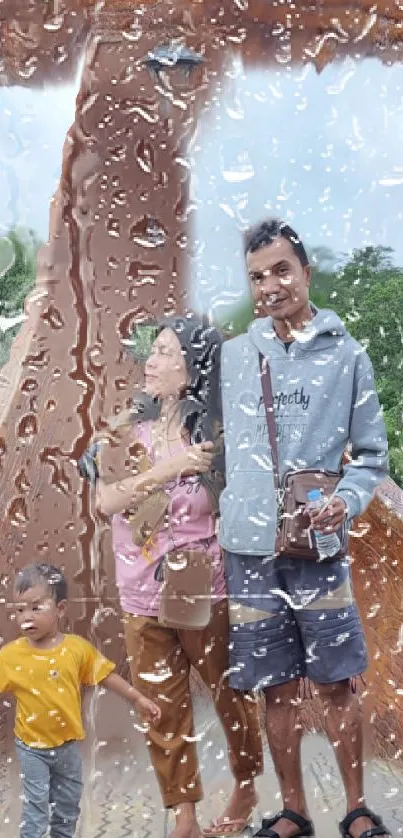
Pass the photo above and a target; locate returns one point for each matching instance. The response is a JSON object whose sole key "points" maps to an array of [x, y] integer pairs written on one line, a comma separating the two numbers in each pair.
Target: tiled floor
{"points": [[121, 798]]}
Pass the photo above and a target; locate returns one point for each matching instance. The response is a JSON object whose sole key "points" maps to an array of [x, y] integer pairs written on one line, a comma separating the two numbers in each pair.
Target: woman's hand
{"points": [[123, 494], [196, 459]]}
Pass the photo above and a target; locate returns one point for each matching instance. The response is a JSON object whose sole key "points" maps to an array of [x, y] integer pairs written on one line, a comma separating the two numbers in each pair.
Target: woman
{"points": [[175, 432]]}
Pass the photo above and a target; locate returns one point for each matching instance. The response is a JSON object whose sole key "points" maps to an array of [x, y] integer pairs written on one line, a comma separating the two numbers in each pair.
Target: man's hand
{"points": [[330, 517]]}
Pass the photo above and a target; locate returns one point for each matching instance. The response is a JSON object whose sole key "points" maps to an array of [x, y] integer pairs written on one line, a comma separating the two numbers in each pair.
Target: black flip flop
{"points": [[305, 826], [379, 827]]}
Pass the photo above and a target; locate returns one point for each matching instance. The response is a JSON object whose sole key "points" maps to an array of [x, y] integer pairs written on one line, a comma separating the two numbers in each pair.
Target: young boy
{"points": [[44, 669]]}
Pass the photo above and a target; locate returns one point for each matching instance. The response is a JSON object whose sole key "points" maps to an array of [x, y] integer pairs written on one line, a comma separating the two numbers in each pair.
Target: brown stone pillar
{"points": [[117, 253]]}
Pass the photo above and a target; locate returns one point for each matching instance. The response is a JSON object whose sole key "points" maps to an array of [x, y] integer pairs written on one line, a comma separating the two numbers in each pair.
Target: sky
{"points": [[324, 151]]}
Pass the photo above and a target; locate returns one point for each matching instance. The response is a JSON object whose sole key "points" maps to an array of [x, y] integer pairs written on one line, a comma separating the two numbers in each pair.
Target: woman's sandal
{"points": [[379, 828], [227, 828], [305, 827]]}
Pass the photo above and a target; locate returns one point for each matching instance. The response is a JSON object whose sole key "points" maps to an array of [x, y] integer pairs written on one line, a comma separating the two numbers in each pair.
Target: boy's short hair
{"points": [[264, 232], [38, 574]]}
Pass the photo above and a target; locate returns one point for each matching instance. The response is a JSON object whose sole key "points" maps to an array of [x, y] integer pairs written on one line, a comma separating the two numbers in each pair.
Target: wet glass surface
{"points": [[126, 184]]}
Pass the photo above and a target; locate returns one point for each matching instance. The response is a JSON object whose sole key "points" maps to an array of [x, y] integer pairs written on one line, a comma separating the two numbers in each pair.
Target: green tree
{"points": [[367, 293], [18, 251]]}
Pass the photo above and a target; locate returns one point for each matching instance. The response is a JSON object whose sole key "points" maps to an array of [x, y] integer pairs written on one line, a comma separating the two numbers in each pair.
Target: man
{"points": [[293, 618]]}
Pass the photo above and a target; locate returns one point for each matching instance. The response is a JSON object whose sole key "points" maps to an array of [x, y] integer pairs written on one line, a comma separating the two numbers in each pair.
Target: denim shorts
{"points": [[292, 618]]}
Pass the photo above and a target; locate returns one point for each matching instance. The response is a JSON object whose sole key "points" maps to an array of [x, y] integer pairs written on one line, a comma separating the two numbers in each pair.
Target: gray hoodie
{"points": [[324, 400]]}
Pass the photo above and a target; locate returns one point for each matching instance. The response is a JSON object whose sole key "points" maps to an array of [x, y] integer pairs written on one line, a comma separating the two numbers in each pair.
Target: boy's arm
{"points": [[118, 685]]}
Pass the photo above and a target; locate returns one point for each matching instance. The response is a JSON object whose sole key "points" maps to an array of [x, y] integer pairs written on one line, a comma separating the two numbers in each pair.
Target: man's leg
{"points": [[343, 723], [35, 785], [344, 728], [65, 790], [284, 734], [333, 637], [266, 653], [207, 650]]}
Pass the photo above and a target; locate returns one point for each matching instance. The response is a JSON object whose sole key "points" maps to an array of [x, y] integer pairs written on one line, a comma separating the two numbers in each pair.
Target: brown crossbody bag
{"points": [[294, 536]]}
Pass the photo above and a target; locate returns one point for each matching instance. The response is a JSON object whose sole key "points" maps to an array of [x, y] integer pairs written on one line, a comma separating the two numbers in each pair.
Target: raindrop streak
{"points": [[27, 427], [17, 512], [155, 678], [53, 317], [54, 23], [148, 233], [145, 156]]}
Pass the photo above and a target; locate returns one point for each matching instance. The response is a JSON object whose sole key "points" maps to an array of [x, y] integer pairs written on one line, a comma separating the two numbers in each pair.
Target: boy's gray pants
{"points": [[52, 788]]}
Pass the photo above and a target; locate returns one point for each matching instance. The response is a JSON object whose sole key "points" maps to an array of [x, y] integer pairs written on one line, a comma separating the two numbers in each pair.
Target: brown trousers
{"points": [[160, 660]]}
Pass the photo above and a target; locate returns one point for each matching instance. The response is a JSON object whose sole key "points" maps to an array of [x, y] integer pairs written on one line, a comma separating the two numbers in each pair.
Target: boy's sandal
{"points": [[379, 828], [305, 826]]}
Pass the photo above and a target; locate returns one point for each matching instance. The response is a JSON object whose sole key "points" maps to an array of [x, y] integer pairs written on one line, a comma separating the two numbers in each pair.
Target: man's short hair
{"points": [[42, 574], [265, 232]]}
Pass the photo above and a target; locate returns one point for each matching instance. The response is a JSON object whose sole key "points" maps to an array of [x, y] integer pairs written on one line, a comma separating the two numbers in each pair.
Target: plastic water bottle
{"points": [[328, 544]]}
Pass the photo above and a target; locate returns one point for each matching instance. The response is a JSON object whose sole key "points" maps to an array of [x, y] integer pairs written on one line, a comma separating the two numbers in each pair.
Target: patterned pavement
{"points": [[121, 797]]}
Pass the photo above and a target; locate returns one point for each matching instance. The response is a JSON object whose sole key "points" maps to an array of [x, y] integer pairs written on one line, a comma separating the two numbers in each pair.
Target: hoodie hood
{"points": [[319, 334]]}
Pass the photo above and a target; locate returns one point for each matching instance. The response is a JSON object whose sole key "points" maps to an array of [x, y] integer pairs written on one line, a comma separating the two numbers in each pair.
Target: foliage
{"points": [[366, 291], [16, 281]]}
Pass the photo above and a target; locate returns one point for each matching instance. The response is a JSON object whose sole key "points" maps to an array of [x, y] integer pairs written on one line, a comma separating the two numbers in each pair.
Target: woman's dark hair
{"points": [[42, 574], [265, 232], [200, 407]]}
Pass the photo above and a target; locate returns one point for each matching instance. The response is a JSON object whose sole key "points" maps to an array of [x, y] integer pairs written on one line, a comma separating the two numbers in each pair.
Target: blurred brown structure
{"points": [[118, 251]]}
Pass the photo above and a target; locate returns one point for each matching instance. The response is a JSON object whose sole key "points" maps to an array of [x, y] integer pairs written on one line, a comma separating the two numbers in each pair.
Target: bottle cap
{"points": [[314, 494]]}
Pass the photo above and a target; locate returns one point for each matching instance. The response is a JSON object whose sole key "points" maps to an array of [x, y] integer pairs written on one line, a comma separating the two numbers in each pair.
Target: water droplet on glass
{"points": [[27, 427], [60, 54], [28, 67], [53, 317], [113, 227], [118, 153], [21, 481], [54, 23], [119, 197], [238, 169], [145, 156], [17, 512], [38, 361], [148, 233]]}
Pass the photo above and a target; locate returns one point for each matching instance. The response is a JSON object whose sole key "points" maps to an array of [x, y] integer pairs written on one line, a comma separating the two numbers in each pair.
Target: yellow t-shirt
{"points": [[46, 684]]}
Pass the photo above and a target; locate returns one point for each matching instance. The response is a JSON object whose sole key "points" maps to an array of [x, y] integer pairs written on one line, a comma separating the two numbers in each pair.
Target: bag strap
{"points": [[267, 391], [144, 460]]}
